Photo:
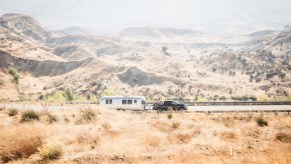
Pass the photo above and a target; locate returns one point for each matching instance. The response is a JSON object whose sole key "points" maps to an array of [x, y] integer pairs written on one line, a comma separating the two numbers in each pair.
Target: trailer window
{"points": [[143, 102], [135, 101], [108, 101], [124, 102], [129, 102]]}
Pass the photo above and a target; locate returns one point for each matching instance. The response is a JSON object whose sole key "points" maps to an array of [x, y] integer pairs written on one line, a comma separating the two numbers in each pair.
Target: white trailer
{"points": [[123, 102]]}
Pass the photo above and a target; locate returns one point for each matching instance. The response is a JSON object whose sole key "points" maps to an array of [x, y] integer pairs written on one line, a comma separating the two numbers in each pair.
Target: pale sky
{"points": [[111, 16]]}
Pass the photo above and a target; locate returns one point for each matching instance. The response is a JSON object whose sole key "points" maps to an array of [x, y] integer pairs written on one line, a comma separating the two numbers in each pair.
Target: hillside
{"points": [[154, 62]]}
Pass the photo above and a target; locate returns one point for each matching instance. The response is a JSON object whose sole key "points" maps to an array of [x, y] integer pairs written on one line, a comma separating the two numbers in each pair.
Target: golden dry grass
{"points": [[129, 137]]}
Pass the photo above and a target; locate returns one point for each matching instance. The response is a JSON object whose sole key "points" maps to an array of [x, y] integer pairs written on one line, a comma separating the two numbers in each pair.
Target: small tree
{"points": [[1, 81], [164, 50], [13, 72], [93, 98], [69, 94], [253, 98], [108, 92], [200, 99], [222, 98]]}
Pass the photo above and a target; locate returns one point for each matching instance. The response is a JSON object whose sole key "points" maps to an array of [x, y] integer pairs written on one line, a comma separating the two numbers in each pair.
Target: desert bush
{"points": [[197, 131], [1, 81], [284, 137], [165, 126], [12, 112], [87, 115], [228, 135], [180, 138], [228, 122], [106, 126], [153, 141], [86, 137], [52, 118], [51, 150], [66, 120], [175, 125], [20, 142], [261, 121], [170, 115], [29, 116]]}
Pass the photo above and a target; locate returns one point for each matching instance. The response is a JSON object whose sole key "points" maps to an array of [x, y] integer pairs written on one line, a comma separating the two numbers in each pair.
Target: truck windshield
{"points": [[174, 103]]}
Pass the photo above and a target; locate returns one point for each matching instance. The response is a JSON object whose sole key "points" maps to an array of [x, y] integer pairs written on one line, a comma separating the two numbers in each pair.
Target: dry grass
{"points": [[228, 135], [129, 137], [180, 138], [106, 126], [20, 142], [228, 122], [153, 141], [86, 137]]}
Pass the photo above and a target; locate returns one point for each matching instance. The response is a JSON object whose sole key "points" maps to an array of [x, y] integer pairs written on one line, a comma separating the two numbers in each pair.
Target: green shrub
{"points": [[57, 96], [51, 151], [29, 116], [13, 112], [261, 121]]}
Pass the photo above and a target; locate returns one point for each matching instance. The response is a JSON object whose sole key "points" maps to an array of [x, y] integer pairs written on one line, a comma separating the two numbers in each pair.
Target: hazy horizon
{"points": [[221, 16]]}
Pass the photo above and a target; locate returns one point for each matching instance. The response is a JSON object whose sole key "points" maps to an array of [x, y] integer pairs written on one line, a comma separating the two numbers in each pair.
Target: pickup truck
{"points": [[167, 105]]}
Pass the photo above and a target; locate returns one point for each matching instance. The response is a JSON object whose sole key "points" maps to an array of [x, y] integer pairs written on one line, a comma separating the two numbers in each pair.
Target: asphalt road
{"points": [[241, 108], [190, 108]]}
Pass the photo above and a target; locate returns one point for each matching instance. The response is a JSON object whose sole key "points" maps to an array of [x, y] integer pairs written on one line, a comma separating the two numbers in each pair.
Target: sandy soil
{"points": [[132, 137]]}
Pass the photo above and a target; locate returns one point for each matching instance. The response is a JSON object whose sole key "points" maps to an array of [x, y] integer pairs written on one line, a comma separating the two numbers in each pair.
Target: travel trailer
{"points": [[124, 102]]}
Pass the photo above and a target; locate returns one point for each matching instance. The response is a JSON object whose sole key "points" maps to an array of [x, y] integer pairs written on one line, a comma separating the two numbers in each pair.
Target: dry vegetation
{"points": [[109, 136]]}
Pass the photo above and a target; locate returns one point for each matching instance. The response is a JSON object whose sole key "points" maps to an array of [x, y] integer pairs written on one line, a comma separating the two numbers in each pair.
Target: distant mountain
{"points": [[75, 30], [27, 26], [156, 32], [260, 34], [174, 35]]}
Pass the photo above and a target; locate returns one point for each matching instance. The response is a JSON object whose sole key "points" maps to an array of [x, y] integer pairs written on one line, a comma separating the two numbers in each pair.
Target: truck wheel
{"points": [[182, 108], [159, 109]]}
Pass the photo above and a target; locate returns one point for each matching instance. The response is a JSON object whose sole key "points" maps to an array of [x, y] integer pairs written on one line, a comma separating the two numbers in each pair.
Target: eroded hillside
{"points": [[154, 62]]}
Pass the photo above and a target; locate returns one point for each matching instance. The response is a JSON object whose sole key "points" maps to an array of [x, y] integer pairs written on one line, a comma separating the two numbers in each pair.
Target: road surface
{"points": [[190, 108]]}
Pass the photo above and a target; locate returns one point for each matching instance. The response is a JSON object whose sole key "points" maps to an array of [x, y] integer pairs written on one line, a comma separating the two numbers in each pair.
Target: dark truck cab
{"points": [[168, 105]]}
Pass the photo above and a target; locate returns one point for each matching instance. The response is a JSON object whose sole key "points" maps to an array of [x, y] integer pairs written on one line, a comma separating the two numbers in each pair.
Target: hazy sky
{"points": [[216, 16]]}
